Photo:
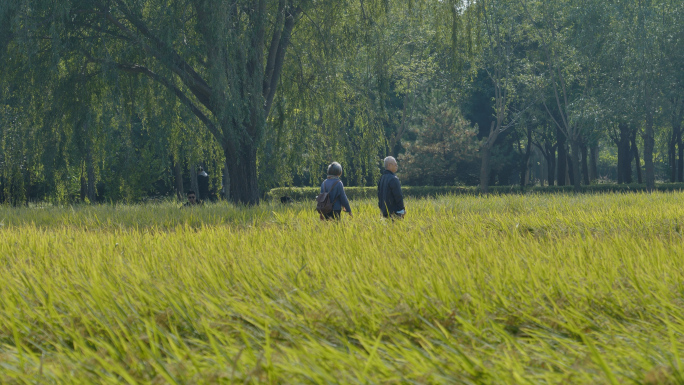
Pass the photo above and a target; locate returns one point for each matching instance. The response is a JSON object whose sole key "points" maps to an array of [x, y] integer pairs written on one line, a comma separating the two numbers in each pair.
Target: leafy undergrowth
{"points": [[501, 289]]}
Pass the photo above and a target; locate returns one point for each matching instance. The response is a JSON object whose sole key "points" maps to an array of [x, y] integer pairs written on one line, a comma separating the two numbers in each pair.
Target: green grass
{"points": [[499, 289]]}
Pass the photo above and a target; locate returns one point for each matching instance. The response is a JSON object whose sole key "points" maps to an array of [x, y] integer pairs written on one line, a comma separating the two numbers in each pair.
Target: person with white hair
{"points": [[390, 198]]}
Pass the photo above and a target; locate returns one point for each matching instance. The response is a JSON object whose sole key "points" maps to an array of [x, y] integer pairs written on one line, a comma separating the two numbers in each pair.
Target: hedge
{"points": [[309, 193]]}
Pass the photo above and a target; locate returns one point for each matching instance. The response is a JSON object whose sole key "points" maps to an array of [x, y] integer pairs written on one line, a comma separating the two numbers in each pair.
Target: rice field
{"points": [[538, 289]]}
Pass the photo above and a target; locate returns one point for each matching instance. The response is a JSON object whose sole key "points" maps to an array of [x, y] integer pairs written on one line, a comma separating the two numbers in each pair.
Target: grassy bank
{"points": [[467, 289]]}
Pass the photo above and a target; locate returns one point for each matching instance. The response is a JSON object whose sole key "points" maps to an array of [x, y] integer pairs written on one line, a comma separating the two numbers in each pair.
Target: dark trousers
{"points": [[392, 216], [335, 214]]}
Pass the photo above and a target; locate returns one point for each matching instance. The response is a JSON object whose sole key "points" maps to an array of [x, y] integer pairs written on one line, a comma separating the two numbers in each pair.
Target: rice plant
{"points": [[466, 289]]}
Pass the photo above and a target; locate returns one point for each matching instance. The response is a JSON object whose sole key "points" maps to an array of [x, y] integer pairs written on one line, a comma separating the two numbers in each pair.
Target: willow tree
{"points": [[350, 96], [222, 59], [20, 115]]}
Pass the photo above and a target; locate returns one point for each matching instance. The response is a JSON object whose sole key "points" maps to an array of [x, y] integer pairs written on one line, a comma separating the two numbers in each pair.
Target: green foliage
{"points": [[443, 139], [100, 101]]}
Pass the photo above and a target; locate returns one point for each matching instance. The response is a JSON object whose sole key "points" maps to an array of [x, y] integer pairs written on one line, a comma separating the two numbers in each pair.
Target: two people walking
{"points": [[390, 198]]}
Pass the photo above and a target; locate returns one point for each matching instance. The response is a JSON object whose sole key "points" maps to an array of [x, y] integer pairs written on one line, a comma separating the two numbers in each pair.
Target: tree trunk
{"points": [[593, 162], [680, 158], [637, 161], [672, 154], [620, 161], [84, 184], [243, 169], [90, 167], [551, 168], [178, 179], [624, 155], [194, 186], [225, 189], [569, 177], [562, 158], [585, 163], [525, 164], [677, 128], [395, 140], [575, 160], [27, 190], [550, 162], [543, 168], [649, 144], [486, 152]]}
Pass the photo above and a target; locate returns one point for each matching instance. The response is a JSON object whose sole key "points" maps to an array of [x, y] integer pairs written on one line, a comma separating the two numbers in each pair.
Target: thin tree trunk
{"points": [[672, 154], [677, 128], [485, 167], [575, 159], [649, 144], [568, 167], [486, 154], [624, 155], [178, 178], [562, 158], [620, 160], [90, 167], [28, 187], [585, 163], [84, 184], [593, 162], [637, 161], [525, 169], [550, 163], [551, 168], [543, 169], [395, 140], [680, 158], [194, 186], [226, 181]]}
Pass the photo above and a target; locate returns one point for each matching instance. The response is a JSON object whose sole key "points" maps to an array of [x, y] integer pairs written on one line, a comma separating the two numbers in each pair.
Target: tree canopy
{"points": [[123, 100]]}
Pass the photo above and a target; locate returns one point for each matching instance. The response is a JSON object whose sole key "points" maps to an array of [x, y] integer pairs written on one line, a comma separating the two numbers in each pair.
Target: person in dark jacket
{"points": [[390, 198], [203, 184], [333, 185]]}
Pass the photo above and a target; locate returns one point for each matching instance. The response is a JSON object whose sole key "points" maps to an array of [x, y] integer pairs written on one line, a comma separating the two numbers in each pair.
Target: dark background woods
{"points": [[123, 100]]}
